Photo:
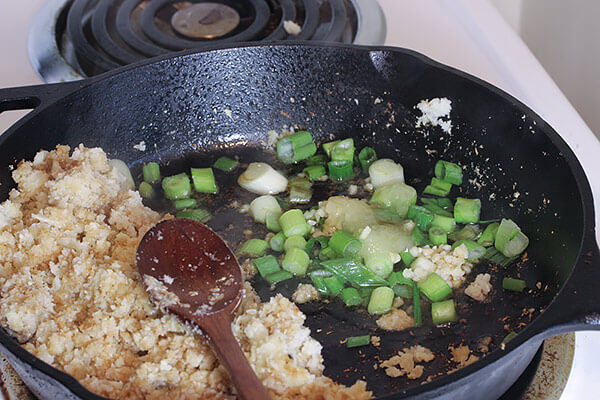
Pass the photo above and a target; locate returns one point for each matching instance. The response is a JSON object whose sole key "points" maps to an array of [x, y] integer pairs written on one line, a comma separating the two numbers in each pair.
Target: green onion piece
{"points": [[279, 276], [253, 248], [435, 208], [225, 164], [507, 338], [381, 300], [353, 271], [294, 241], [467, 232], [366, 157], [318, 279], [437, 236], [334, 285], [496, 257], [447, 224], [276, 243], [418, 236], [293, 223], [438, 187], [204, 180], [146, 190], [198, 214], [445, 203], [344, 244], [512, 284], [340, 170], [266, 265], [435, 288], [327, 254], [300, 190], [151, 172], [381, 264], [407, 258], [328, 146], [182, 204], [260, 206], [315, 245], [510, 241], [177, 186], [443, 312], [314, 172], [449, 172], [296, 147], [422, 216], [476, 251], [467, 210], [384, 172], [357, 341], [398, 196], [417, 314], [343, 150], [272, 221], [396, 278], [350, 296], [404, 291], [488, 235], [317, 159], [295, 261]]}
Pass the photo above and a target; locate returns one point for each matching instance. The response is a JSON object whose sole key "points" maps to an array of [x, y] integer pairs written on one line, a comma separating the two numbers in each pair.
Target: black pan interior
{"points": [[192, 107]]}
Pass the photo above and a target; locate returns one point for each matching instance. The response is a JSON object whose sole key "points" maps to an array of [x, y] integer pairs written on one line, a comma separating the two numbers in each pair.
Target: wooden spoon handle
{"points": [[218, 328]]}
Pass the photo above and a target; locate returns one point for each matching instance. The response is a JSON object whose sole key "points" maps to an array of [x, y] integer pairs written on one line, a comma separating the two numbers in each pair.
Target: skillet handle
{"points": [[577, 306], [31, 97]]}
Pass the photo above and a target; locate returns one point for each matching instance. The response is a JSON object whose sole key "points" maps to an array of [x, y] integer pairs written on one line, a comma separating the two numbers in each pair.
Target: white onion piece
{"points": [[260, 206], [385, 171], [120, 166], [261, 178]]}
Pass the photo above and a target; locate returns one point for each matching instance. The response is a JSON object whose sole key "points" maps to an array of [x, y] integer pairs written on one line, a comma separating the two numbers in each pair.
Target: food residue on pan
{"points": [[405, 362]]}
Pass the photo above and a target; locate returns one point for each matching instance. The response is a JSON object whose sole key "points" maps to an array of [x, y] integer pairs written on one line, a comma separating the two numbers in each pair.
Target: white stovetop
{"points": [[467, 34]]}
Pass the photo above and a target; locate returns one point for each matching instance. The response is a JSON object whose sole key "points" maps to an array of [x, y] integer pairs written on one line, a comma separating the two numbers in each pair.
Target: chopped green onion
{"points": [[449, 172], [294, 241], [366, 157], [507, 338], [357, 341], [295, 261], [476, 251], [225, 164], [198, 214], [296, 147], [293, 223], [404, 291], [260, 206], [510, 241], [380, 263], [512, 284], [300, 190], [437, 236], [253, 248], [344, 244], [381, 300], [435, 288], [395, 280], [438, 187], [317, 159], [422, 216], [328, 146], [279, 276], [496, 257], [447, 224], [343, 150], [315, 245], [276, 243], [418, 236], [467, 232], [467, 210], [334, 285], [272, 221], [353, 271], [340, 170], [318, 280], [398, 196], [350, 296], [261, 178], [182, 204], [314, 172], [204, 180], [146, 190], [488, 235], [445, 203], [407, 258], [443, 312], [266, 265], [435, 208], [327, 254], [177, 186], [385, 171], [151, 172]]}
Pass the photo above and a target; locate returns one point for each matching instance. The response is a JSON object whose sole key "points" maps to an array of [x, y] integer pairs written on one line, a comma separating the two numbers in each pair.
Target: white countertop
{"points": [[467, 34]]}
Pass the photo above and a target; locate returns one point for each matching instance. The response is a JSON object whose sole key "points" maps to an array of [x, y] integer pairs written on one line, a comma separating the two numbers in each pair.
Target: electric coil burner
{"points": [[72, 39]]}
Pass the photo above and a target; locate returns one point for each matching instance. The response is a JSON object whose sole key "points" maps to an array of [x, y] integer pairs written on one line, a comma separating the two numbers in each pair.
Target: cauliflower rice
{"points": [[71, 294]]}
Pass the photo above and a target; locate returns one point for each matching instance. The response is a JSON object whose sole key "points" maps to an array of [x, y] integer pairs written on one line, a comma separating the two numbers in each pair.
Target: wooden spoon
{"points": [[189, 270]]}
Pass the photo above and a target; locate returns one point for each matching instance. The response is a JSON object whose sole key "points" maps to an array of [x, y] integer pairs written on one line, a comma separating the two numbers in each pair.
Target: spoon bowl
{"points": [[190, 271]]}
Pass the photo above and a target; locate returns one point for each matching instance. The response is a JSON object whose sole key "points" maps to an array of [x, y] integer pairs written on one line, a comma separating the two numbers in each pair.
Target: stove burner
{"points": [[95, 36], [205, 20]]}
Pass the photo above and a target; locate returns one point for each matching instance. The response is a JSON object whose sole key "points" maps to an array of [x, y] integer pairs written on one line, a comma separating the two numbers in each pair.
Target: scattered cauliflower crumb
{"points": [[292, 27], [462, 355], [479, 288], [141, 146], [404, 363], [433, 111], [396, 320], [305, 293], [451, 265], [375, 341]]}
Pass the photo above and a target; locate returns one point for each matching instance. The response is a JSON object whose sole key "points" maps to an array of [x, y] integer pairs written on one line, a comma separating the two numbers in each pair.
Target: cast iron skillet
{"points": [[189, 106]]}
